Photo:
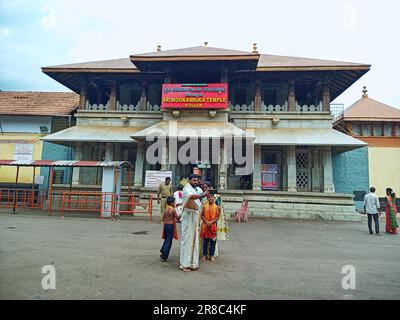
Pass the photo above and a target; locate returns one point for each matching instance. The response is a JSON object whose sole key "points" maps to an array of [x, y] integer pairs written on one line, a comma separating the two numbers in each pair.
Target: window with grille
{"points": [[303, 169]]}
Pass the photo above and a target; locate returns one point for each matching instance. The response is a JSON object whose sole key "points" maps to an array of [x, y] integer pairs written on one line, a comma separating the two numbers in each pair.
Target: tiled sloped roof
{"points": [[195, 51], [269, 61], [265, 61], [38, 103], [367, 109]]}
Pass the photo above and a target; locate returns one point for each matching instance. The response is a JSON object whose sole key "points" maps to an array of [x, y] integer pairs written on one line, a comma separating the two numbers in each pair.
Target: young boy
{"points": [[209, 216], [169, 230]]}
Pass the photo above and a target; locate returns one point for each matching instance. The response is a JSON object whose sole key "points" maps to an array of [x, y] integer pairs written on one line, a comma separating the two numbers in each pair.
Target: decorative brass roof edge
{"points": [[89, 70], [315, 68], [195, 58]]}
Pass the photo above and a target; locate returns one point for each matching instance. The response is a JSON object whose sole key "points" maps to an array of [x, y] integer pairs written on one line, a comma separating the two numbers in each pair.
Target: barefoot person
{"points": [[209, 216], [169, 229], [372, 209], [189, 257], [391, 212]]}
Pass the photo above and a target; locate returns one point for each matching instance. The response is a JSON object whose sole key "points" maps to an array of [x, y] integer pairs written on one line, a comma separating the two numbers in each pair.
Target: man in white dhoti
{"points": [[189, 257]]}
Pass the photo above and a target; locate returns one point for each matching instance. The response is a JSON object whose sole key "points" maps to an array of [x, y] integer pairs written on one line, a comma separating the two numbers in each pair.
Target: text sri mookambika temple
{"points": [[258, 127]]}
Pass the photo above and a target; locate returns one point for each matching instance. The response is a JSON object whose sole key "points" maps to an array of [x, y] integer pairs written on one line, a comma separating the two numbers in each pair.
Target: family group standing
{"points": [[202, 219]]}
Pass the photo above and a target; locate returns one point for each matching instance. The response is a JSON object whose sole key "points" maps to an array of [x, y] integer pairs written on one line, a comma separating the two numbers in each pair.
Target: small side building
{"points": [[376, 165], [25, 117]]}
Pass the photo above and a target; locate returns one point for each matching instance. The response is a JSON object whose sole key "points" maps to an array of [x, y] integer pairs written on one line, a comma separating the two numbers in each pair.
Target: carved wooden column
{"points": [[113, 96], [224, 75], [83, 94], [143, 97], [257, 97], [292, 96], [99, 96], [326, 97]]}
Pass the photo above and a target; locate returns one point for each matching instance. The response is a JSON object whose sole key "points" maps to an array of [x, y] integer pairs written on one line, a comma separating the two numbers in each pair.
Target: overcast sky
{"points": [[37, 33]]}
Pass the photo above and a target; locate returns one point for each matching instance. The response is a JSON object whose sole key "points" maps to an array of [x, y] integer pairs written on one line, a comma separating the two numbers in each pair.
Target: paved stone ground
{"points": [[265, 259]]}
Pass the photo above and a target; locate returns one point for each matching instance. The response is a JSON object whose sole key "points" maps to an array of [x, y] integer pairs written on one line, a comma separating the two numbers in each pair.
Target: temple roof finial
{"points": [[255, 48], [365, 95]]}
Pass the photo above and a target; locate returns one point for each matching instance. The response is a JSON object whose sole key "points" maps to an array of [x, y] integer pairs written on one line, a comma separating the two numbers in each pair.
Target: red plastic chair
{"points": [[242, 213]]}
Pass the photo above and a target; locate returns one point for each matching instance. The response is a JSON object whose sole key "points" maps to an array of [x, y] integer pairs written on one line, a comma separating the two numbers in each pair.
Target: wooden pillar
{"points": [[224, 75], [168, 76], [99, 96], [292, 96], [326, 97], [143, 97], [83, 94], [113, 96], [257, 97]]}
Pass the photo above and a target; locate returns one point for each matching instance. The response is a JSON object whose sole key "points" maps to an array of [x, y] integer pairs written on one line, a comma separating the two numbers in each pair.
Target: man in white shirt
{"points": [[371, 208]]}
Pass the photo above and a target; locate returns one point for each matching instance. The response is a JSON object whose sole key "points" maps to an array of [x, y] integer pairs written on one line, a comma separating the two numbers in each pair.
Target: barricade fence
{"points": [[107, 205]]}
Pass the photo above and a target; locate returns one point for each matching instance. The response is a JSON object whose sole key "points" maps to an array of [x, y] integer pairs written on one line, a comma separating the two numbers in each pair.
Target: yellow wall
{"points": [[7, 145], [384, 169]]}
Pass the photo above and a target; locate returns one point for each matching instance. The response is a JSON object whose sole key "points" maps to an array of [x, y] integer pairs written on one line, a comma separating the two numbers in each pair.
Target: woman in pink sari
{"points": [[391, 212]]}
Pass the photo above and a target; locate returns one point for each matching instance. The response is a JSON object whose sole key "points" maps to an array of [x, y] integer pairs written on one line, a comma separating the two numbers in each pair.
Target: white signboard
{"points": [[23, 151], [154, 178]]}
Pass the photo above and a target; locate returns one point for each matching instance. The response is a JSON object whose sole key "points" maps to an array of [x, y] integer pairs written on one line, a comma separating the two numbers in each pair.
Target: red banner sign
{"points": [[195, 96]]}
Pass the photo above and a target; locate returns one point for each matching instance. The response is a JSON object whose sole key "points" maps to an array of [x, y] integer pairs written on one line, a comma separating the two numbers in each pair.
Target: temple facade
{"points": [[278, 107]]}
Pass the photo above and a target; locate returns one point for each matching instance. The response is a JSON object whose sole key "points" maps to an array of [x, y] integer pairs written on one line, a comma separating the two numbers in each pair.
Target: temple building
{"points": [[26, 117], [279, 105], [377, 164]]}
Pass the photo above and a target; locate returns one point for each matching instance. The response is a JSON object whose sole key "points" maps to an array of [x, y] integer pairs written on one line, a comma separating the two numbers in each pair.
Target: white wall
{"points": [[24, 124]]}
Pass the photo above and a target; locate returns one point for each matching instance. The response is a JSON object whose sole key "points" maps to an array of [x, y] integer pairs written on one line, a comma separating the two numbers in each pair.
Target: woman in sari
{"points": [[391, 212]]}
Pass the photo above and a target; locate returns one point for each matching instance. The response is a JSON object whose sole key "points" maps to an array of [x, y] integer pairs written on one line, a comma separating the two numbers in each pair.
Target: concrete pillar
{"points": [[257, 167], [328, 171], [291, 169], [77, 156], [139, 165], [223, 167], [292, 96], [109, 152], [316, 171]]}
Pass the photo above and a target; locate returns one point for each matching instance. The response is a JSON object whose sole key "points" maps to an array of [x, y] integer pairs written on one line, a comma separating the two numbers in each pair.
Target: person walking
{"points": [[372, 208]]}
